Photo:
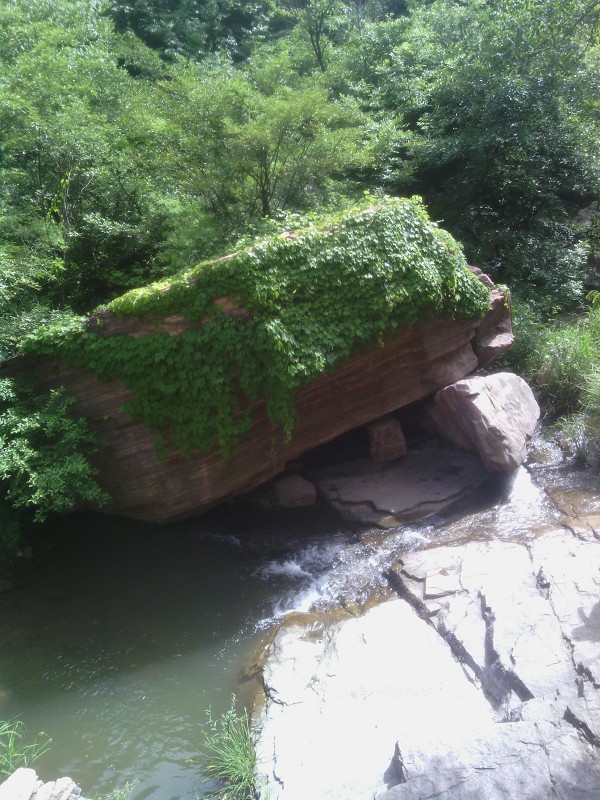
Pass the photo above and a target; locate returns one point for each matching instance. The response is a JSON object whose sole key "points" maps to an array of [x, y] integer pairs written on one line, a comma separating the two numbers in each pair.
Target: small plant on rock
{"points": [[230, 755]]}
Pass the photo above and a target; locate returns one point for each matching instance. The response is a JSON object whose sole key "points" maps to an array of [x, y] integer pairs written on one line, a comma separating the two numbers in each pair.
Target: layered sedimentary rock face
{"points": [[146, 485], [348, 325]]}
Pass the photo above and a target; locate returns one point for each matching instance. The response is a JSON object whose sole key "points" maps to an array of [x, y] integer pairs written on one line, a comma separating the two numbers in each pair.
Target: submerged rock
{"points": [[480, 680]]}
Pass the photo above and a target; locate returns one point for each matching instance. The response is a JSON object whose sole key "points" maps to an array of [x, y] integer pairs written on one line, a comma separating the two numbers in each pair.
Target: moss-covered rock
{"points": [[269, 319]]}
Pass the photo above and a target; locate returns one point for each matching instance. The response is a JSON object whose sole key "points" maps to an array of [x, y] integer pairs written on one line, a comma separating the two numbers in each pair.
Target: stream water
{"points": [[118, 640]]}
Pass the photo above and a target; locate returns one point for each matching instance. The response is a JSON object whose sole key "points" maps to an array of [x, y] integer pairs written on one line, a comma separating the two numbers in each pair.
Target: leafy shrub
{"points": [[556, 357], [546, 266], [43, 459], [578, 435], [489, 111], [582, 431], [561, 360]]}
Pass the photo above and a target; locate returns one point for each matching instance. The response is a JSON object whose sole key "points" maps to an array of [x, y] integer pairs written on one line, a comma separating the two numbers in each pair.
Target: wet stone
{"points": [[489, 691], [24, 784], [293, 491]]}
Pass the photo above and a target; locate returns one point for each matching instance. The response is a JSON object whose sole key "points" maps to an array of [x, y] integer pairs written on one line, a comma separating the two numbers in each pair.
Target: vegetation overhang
{"points": [[200, 348]]}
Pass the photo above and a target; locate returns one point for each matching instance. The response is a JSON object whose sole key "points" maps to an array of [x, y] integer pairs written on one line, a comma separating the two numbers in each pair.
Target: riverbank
{"points": [[117, 641]]}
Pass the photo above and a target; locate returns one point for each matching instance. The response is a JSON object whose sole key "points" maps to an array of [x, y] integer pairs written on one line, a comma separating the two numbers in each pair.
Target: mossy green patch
{"points": [[313, 299]]}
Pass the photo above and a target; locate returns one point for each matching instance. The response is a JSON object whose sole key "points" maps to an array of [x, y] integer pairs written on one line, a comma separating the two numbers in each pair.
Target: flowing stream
{"points": [[117, 641]]}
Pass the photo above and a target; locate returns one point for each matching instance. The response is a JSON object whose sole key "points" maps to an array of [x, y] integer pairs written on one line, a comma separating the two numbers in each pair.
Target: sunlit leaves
{"points": [[313, 297], [43, 453]]}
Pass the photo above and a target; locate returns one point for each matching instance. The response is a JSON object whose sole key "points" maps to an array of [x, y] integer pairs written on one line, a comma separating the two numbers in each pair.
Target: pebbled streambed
{"points": [[117, 640]]}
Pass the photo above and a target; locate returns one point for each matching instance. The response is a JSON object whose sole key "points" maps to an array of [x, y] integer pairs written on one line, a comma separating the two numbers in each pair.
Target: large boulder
{"points": [[194, 384], [493, 415], [146, 484]]}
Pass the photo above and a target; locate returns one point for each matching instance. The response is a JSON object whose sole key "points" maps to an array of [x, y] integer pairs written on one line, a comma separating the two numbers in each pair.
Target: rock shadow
{"points": [[590, 630], [514, 779]]}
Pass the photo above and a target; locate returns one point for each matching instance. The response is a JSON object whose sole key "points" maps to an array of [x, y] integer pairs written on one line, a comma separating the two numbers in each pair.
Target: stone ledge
{"points": [[24, 784]]}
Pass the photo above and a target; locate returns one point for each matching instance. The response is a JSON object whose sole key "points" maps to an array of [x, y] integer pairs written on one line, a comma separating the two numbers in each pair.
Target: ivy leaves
{"points": [[313, 298]]}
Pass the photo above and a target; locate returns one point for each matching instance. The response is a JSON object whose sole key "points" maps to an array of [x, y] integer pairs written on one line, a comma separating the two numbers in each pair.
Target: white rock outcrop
{"points": [[24, 784], [479, 680]]}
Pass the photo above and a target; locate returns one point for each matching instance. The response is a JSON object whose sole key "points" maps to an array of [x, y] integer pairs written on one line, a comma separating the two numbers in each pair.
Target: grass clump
{"points": [[230, 755], [561, 361], [556, 357], [120, 792], [14, 752]]}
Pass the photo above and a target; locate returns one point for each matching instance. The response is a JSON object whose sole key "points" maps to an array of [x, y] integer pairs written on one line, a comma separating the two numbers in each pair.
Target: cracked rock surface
{"points": [[479, 680]]}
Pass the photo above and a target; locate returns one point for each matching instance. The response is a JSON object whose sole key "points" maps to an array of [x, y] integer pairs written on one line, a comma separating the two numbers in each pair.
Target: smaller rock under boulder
{"points": [[493, 415], [495, 334], [386, 440], [428, 480], [293, 491]]}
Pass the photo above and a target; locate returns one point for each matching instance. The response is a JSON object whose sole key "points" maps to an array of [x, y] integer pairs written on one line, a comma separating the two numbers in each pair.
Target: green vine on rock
{"points": [[308, 300]]}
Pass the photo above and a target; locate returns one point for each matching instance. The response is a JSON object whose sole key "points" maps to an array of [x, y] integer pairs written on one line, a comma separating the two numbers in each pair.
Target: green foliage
{"points": [[23, 306], [14, 752], [556, 357], [561, 360], [230, 755], [122, 163], [489, 110], [320, 19], [76, 199], [194, 28], [43, 459], [312, 298], [252, 143], [578, 435]]}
